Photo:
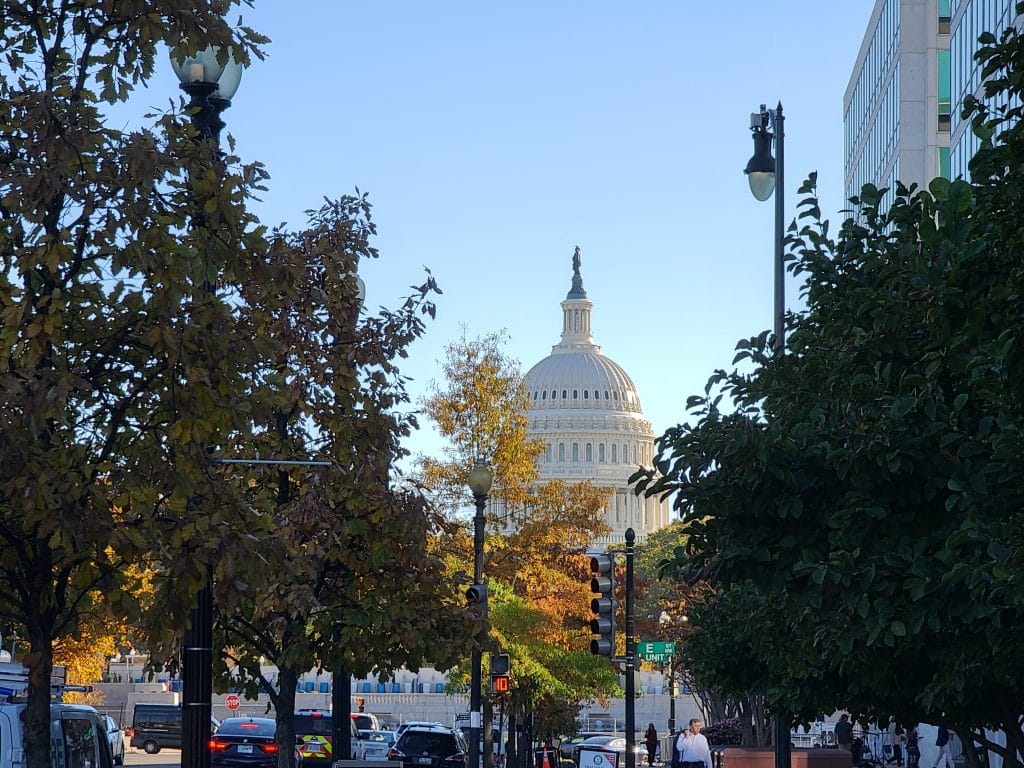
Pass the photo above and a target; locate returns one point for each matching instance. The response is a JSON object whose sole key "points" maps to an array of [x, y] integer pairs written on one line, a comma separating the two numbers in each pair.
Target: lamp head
{"points": [[480, 478], [760, 169], [203, 66]]}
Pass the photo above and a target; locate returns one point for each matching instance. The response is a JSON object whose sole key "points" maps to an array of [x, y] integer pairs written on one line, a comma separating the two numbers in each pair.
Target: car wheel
{"points": [[151, 747]]}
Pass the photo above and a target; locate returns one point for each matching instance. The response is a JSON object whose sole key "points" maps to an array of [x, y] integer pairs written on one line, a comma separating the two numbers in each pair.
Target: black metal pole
{"points": [[780, 231], [197, 683], [475, 673], [341, 707], [672, 695], [197, 651], [630, 655], [782, 719]]}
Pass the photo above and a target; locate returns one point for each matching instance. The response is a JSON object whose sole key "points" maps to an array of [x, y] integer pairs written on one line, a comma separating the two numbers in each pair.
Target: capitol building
{"points": [[586, 409]]}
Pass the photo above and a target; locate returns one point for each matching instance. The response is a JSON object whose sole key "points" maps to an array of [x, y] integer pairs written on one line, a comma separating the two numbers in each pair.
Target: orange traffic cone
{"points": [[545, 763]]}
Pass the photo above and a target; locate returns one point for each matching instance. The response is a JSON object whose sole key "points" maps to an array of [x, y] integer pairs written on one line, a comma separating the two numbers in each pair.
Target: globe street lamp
{"points": [[765, 175], [480, 479], [210, 85]]}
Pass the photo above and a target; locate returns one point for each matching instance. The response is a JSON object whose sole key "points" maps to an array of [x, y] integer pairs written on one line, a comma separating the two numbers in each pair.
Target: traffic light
{"points": [[500, 681], [602, 583], [476, 600], [500, 684]]}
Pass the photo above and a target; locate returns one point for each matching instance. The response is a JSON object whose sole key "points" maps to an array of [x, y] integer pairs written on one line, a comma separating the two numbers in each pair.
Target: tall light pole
{"points": [[480, 479], [765, 174], [210, 86]]}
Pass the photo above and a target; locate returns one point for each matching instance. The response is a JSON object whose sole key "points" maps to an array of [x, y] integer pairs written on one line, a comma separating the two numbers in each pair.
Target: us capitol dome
{"points": [[586, 409]]}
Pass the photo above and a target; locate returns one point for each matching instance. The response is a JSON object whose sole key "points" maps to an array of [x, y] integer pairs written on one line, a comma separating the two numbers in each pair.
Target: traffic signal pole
{"points": [[602, 583], [630, 655]]}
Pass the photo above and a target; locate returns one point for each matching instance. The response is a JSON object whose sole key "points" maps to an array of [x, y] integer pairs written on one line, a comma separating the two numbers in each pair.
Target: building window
{"points": [[535, 397], [544, 395], [615, 454], [944, 17], [588, 452], [586, 394], [565, 394], [944, 169], [561, 452], [600, 452], [944, 102], [576, 452], [575, 395], [547, 454], [606, 394]]}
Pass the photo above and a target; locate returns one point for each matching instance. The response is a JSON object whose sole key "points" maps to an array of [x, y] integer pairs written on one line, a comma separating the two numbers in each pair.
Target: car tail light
{"points": [[458, 757], [218, 745], [270, 749], [394, 754]]}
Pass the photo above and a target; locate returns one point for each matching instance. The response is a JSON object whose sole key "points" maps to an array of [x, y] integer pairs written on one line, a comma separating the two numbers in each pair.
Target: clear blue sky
{"points": [[495, 137]]}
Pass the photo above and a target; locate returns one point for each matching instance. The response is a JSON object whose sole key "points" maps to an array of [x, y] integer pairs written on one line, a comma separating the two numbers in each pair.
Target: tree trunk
{"points": [[36, 716], [285, 708], [749, 734]]}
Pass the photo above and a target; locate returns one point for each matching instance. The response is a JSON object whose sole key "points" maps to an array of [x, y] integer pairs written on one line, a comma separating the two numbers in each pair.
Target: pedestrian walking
{"points": [[844, 734], [693, 748], [899, 741], [913, 748], [651, 742], [942, 742]]}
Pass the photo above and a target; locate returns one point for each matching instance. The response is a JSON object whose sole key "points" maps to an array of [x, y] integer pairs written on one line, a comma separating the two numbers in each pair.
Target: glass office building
{"points": [[969, 18], [896, 110]]}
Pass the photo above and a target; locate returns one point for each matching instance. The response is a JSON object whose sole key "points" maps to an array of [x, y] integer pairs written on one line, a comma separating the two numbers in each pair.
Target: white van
{"points": [[78, 736]]}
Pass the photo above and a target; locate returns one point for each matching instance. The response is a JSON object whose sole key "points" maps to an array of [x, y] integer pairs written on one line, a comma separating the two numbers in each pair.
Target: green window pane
{"points": [[944, 162], [943, 9], [943, 82]]}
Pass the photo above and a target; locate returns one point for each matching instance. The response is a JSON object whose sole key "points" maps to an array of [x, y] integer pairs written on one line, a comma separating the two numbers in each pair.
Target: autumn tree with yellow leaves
{"points": [[536, 534]]}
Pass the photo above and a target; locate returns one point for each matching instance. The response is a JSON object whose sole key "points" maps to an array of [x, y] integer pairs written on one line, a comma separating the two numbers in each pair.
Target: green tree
{"points": [[110, 364], [868, 481], [342, 553]]}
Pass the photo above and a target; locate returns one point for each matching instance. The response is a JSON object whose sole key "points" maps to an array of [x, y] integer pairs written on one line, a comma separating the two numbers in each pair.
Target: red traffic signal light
{"points": [[500, 684]]}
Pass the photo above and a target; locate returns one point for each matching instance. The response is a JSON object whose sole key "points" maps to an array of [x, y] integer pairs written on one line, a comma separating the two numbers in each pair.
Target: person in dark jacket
{"points": [[942, 742], [651, 742]]}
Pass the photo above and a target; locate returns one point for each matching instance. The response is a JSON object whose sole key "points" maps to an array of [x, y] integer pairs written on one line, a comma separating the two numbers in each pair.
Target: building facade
{"points": [[969, 18], [586, 409], [897, 105]]}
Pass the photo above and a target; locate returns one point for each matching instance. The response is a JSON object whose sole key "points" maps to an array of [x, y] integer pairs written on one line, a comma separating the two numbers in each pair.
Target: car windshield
{"points": [[414, 742], [597, 740], [373, 735], [239, 726]]}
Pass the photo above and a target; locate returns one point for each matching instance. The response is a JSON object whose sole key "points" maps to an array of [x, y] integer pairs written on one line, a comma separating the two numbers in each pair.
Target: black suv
{"points": [[434, 746]]}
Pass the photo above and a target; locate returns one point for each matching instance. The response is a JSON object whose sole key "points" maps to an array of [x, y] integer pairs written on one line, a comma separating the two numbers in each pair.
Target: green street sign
{"points": [[658, 652]]}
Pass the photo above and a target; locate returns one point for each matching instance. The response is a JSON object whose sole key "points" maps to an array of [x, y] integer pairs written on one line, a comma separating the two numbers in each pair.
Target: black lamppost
{"points": [[210, 86], [480, 479], [765, 174]]}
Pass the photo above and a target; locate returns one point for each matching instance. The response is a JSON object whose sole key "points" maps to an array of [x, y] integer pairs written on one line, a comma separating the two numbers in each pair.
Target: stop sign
{"points": [[232, 702]]}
